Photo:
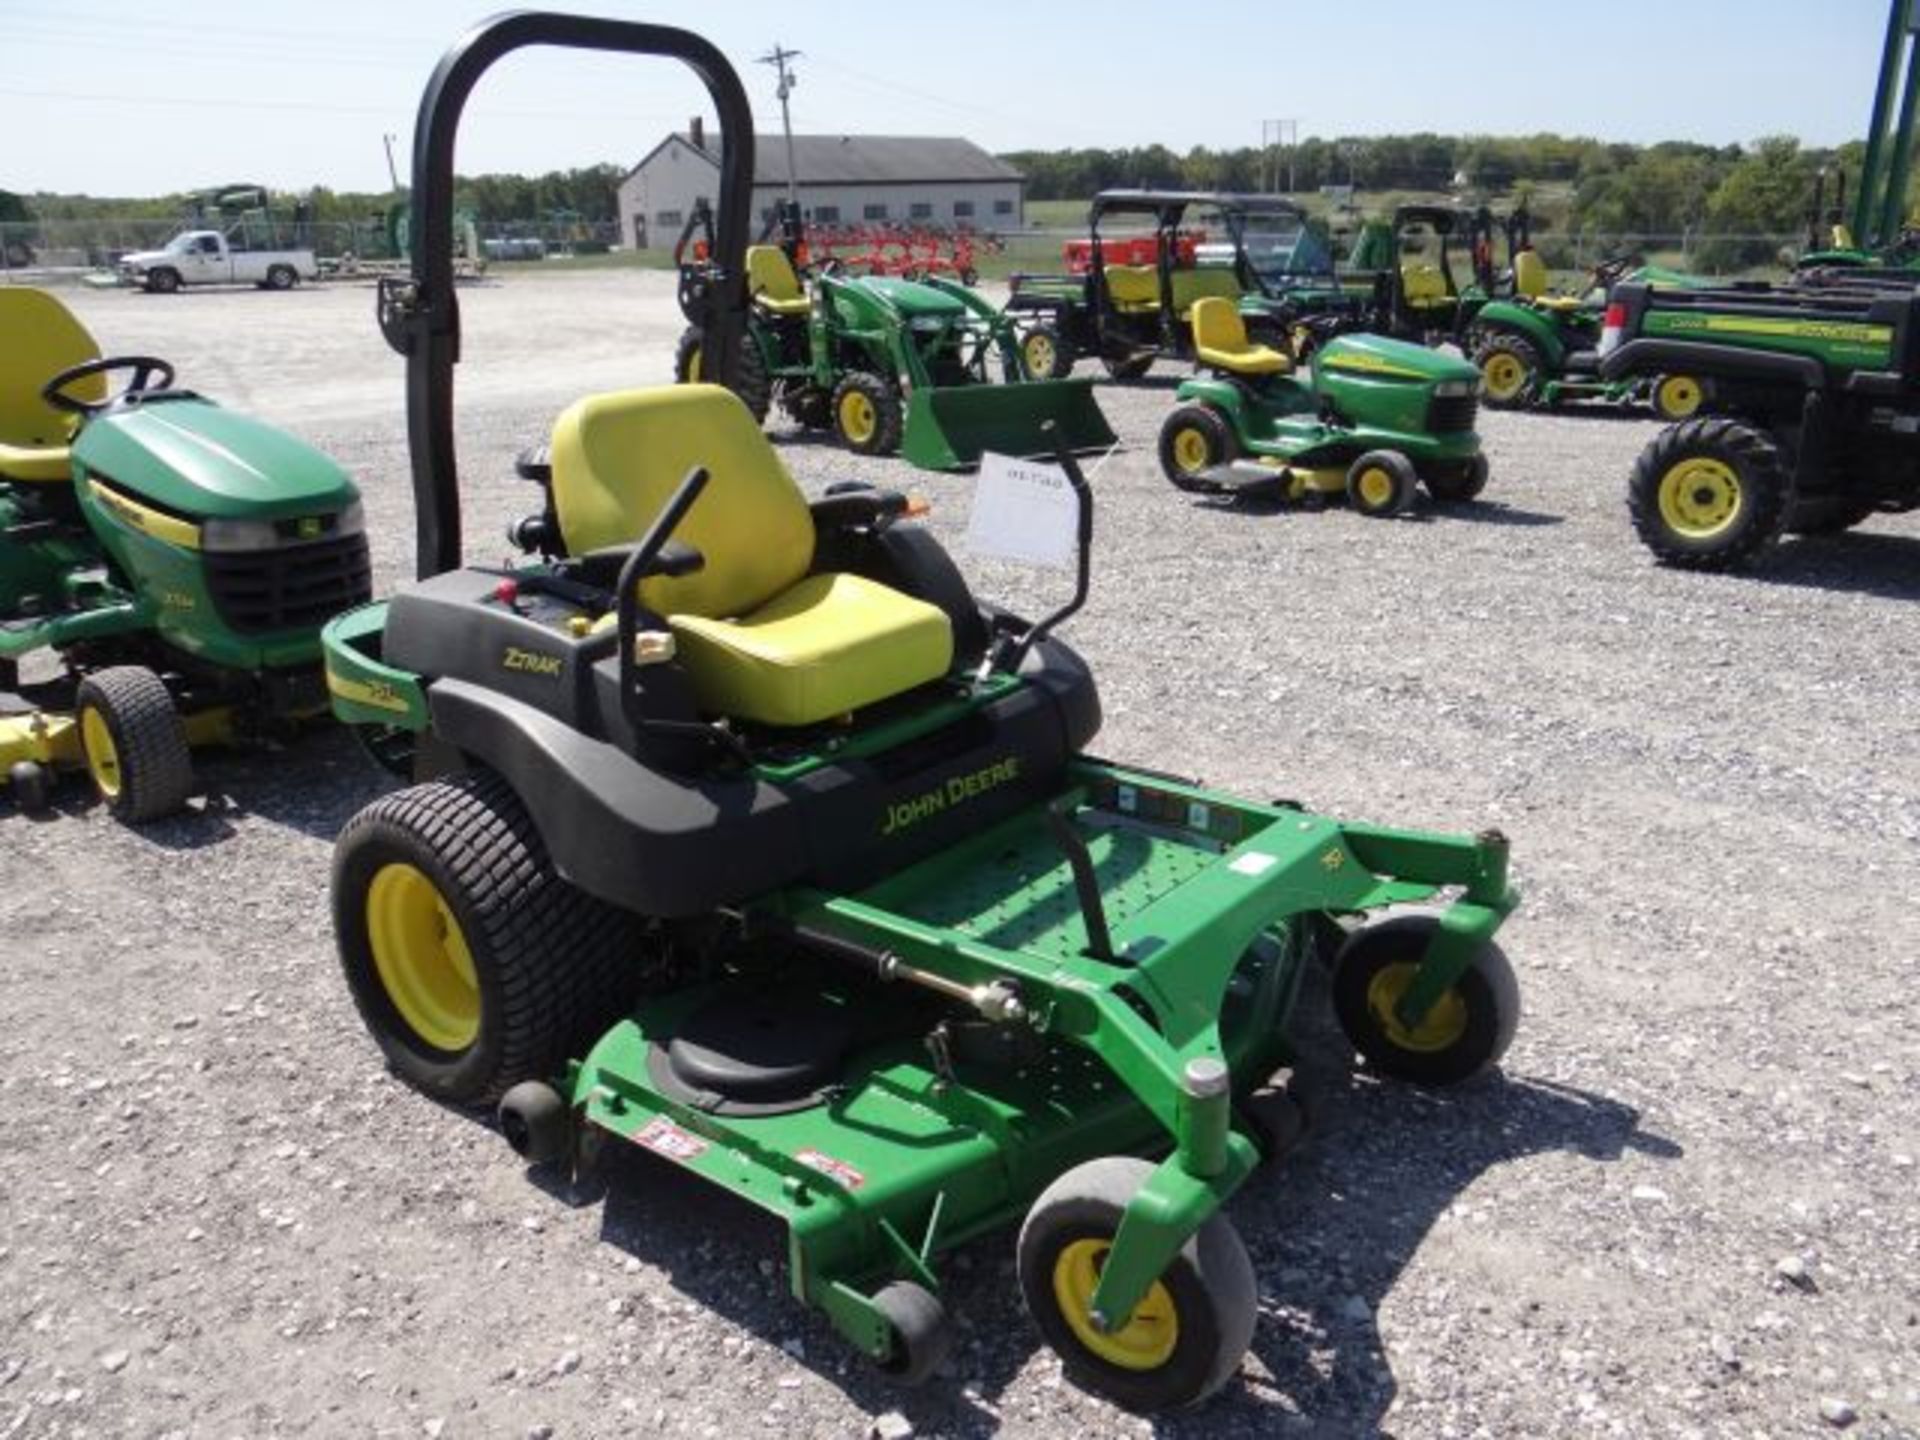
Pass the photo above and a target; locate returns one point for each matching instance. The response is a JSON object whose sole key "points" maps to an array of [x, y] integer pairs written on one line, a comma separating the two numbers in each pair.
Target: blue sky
{"points": [[135, 99]]}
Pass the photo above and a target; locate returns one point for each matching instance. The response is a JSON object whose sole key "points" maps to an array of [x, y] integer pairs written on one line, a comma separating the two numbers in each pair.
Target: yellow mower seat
{"points": [[39, 338], [1192, 285], [1220, 341], [1423, 285], [762, 638], [1529, 275], [1133, 288], [772, 283]]}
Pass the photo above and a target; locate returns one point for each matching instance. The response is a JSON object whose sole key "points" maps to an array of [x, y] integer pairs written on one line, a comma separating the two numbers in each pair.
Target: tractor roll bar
{"points": [[421, 317]]}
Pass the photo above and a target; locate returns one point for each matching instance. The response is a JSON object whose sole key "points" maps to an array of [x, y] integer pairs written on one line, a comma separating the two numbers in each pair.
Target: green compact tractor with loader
{"points": [[175, 558], [1818, 381], [742, 833], [887, 364], [1377, 419]]}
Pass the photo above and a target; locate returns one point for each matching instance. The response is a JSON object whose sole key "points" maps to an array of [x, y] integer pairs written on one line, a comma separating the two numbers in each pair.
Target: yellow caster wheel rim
{"points": [[1441, 1028], [1148, 1339]]}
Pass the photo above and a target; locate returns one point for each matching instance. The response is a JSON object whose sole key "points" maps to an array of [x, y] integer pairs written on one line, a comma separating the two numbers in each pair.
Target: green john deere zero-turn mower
{"points": [[177, 558], [1377, 419], [889, 364], [744, 834]]}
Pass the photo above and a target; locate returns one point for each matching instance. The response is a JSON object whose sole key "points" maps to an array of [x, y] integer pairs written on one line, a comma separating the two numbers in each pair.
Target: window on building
{"points": [[963, 209], [668, 219], [1003, 207], [827, 214], [874, 212], [920, 210]]}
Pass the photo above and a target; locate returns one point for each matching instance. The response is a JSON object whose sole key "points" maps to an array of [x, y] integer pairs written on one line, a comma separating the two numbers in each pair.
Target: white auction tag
{"points": [[1023, 510]]}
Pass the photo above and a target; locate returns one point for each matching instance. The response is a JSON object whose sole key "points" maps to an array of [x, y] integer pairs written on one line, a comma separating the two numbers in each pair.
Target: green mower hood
{"points": [[910, 298], [1375, 357]]}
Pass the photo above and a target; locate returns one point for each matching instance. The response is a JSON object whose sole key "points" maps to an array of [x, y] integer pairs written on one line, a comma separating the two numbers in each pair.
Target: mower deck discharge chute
{"points": [[176, 557], [743, 833]]}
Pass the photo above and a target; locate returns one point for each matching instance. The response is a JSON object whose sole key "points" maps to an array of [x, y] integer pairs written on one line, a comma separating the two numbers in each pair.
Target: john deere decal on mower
{"points": [[794, 873]]}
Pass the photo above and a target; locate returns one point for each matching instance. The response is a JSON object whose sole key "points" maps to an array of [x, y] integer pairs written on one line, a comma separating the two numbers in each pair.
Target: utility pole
{"points": [[1279, 132], [392, 174], [778, 58]]}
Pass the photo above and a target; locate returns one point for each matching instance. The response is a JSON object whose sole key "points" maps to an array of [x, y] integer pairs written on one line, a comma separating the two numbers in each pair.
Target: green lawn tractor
{"points": [[744, 835], [1819, 385], [1377, 419], [891, 364], [177, 558]]}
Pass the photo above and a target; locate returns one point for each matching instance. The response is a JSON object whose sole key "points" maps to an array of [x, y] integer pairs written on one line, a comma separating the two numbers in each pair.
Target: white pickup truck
{"points": [[205, 257]]}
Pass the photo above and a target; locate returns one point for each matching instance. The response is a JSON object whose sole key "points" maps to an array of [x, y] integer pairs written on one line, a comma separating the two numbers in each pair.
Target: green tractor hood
{"points": [[908, 298], [1392, 385], [1380, 358], [190, 458]]}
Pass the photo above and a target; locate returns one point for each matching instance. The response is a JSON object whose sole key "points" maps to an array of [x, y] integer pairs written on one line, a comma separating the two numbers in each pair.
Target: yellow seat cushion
{"points": [[1423, 285], [822, 648], [1133, 288], [39, 337], [1529, 274], [1192, 285], [1220, 341], [772, 283]]}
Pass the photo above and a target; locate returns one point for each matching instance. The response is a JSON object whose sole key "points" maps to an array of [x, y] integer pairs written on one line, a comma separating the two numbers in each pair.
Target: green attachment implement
{"points": [[949, 427]]}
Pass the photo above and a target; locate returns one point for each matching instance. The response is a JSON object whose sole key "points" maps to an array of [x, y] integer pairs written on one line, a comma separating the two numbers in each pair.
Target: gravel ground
{"points": [[1687, 1209]]}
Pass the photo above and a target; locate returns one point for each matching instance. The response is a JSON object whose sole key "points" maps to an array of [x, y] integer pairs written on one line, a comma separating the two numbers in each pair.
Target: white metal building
{"points": [[843, 179]]}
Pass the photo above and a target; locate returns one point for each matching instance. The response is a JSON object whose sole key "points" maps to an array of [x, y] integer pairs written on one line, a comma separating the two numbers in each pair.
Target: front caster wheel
{"points": [[32, 786], [1465, 1032], [922, 1331], [1182, 1341], [537, 1122]]}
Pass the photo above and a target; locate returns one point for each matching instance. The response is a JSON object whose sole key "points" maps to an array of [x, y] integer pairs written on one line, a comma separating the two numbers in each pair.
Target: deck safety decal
{"points": [[663, 1137], [841, 1173]]}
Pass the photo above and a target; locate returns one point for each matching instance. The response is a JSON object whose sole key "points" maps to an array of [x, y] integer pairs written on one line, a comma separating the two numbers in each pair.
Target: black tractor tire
{"points": [[135, 743], [31, 786], [1710, 494], [752, 385], [922, 1331], [1045, 354], [1827, 514], [1208, 1286], [1456, 483], [1473, 1023], [1128, 367], [1193, 440], [1515, 361], [1382, 484], [547, 968], [866, 414], [808, 406], [162, 281], [282, 277]]}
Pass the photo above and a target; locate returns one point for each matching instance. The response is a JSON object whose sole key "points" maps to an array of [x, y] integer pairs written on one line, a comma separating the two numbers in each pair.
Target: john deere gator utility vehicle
{"points": [[1416, 294], [175, 560], [1377, 419], [797, 876], [1819, 383], [1130, 315]]}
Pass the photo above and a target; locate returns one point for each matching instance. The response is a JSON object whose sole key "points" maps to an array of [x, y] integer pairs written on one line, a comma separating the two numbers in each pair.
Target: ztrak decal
{"points": [[531, 662], [957, 791]]}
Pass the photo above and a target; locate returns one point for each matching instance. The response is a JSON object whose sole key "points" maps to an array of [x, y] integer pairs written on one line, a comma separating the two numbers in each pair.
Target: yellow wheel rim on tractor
{"points": [[1678, 397], [858, 418], [103, 756], [1192, 451], [1505, 376], [1376, 488], [1145, 1342], [1442, 1026], [421, 956], [1700, 497], [1039, 356]]}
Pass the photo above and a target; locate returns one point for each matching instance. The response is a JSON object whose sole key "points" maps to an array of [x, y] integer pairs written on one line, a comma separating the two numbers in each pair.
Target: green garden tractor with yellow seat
{"points": [[173, 560], [923, 367], [1378, 419], [743, 834]]}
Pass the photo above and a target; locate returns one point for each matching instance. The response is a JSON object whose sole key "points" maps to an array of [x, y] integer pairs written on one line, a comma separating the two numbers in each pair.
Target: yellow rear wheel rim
{"points": [[858, 417], [1505, 376], [1376, 488], [1679, 396], [1440, 1029], [1039, 356], [1148, 1339], [421, 956], [1191, 451], [1700, 497], [103, 756]]}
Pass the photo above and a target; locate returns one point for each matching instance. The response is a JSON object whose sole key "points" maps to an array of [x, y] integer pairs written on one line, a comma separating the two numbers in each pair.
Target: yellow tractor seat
{"points": [[39, 337], [772, 283], [1220, 341], [1192, 285], [762, 638], [1133, 288], [1423, 285], [1529, 275]]}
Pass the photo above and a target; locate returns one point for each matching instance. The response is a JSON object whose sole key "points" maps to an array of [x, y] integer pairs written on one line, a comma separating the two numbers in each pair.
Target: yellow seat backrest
{"points": [[1192, 285], [1217, 325], [770, 274], [1529, 274], [618, 458], [1422, 283], [1133, 284], [39, 337]]}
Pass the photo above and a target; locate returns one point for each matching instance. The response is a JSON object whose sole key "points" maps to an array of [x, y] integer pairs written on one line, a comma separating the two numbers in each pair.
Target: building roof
{"points": [[858, 159]]}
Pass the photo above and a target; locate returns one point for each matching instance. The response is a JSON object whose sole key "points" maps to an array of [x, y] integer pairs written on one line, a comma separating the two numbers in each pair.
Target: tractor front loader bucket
{"points": [[949, 428]]}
